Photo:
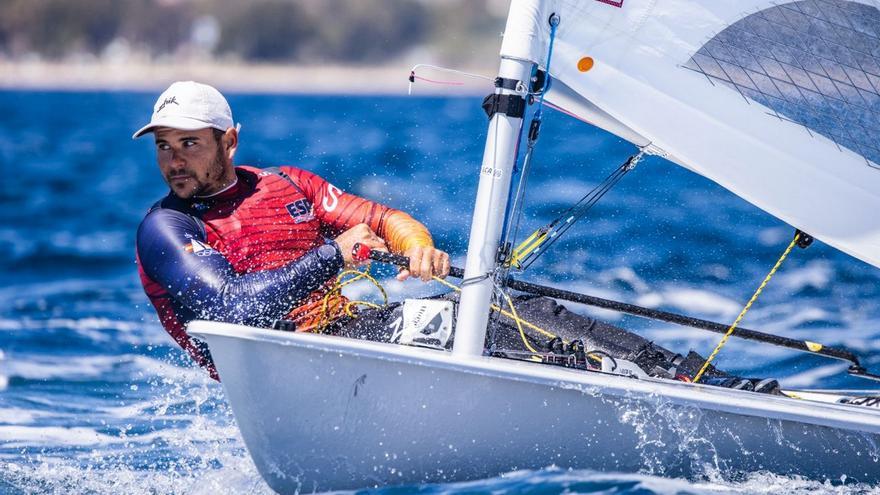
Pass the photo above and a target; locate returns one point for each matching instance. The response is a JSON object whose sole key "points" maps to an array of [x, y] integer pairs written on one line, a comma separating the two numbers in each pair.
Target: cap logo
{"points": [[167, 101]]}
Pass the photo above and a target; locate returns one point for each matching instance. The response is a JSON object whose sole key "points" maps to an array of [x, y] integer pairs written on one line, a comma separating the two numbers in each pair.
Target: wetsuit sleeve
{"points": [[173, 251], [343, 211]]}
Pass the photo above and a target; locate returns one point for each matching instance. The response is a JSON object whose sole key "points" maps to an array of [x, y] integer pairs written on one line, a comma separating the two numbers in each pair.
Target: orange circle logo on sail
{"points": [[585, 64]]}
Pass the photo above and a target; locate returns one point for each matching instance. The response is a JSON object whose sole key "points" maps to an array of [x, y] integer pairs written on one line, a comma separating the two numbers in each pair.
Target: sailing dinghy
{"points": [[777, 101]]}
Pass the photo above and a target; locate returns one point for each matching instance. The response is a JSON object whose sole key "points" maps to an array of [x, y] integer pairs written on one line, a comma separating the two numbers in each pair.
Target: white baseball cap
{"points": [[188, 105]]}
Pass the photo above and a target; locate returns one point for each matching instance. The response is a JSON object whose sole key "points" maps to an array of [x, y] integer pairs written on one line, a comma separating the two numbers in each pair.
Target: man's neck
{"points": [[221, 191]]}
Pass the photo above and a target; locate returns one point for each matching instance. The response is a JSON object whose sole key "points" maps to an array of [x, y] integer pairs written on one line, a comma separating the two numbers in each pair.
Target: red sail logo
{"points": [[613, 3]]}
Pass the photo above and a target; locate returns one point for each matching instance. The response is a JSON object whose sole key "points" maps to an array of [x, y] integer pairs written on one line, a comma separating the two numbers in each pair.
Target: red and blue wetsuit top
{"points": [[256, 252]]}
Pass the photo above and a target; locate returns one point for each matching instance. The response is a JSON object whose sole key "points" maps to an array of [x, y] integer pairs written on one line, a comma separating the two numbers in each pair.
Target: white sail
{"points": [[779, 102]]}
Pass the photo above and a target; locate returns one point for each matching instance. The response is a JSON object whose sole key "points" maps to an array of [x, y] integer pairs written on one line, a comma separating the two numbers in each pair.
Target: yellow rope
{"points": [[748, 306], [527, 246], [519, 326], [447, 284], [336, 290], [512, 315], [348, 307]]}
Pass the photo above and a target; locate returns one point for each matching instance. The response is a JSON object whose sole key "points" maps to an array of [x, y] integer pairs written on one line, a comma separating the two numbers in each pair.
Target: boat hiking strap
{"points": [[800, 239], [540, 240]]}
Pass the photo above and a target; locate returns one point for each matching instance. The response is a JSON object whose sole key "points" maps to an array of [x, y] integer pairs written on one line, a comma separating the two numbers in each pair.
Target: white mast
{"points": [[499, 156], [525, 37]]}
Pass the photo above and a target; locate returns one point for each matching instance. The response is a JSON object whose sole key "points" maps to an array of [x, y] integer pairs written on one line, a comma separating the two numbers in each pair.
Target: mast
{"points": [[499, 157]]}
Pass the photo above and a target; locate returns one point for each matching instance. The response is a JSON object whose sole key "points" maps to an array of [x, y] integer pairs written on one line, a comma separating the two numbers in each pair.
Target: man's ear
{"points": [[230, 142]]}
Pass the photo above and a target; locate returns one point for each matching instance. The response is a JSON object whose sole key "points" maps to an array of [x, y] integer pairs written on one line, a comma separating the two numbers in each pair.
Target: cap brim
{"points": [[174, 122]]}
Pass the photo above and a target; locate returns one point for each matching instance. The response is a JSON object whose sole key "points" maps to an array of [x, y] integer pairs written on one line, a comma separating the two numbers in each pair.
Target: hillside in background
{"points": [[343, 32]]}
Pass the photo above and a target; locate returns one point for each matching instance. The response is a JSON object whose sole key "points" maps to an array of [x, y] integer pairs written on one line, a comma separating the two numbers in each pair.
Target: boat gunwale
{"points": [[730, 401]]}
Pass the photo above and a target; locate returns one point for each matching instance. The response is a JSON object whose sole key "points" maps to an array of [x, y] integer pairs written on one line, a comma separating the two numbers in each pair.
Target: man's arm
{"points": [[173, 251], [402, 233]]}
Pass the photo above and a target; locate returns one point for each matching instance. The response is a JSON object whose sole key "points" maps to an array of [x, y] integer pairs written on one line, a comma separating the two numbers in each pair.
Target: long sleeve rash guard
{"points": [[256, 252], [204, 281]]}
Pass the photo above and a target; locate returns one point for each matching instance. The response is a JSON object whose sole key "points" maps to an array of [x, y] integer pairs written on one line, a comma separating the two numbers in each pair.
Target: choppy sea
{"points": [[95, 397]]}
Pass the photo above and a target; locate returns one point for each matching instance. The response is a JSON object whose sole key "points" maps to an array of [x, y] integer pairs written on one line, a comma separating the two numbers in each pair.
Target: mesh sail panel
{"points": [[812, 62]]}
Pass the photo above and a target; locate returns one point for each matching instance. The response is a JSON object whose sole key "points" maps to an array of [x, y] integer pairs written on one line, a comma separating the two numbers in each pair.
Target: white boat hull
{"points": [[326, 413]]}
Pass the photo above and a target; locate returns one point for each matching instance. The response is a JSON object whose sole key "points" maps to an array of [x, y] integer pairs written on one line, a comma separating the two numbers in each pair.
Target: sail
{"points": [[777, 101]]}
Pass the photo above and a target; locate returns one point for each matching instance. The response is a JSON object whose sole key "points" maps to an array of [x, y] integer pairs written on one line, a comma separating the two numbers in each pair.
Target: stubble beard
{"points": [[214, 177], [211, 183]]}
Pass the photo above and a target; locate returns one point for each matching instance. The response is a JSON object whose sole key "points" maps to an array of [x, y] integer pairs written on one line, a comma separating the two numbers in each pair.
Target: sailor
{"points": [[244, 245]]}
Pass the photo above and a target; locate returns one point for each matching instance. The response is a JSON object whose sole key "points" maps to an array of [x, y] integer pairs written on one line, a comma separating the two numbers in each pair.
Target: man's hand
{"points": [[425, 262], [359, 234]]}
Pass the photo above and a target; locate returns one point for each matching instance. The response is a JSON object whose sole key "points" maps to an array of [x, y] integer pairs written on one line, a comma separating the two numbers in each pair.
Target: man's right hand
{"points": [[359, 234]]}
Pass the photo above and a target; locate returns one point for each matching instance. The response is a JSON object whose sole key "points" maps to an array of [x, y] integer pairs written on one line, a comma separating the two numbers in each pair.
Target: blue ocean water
{"points": [[95, 397]]}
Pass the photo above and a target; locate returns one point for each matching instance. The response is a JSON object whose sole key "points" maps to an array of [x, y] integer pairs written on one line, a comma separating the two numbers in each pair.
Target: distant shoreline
{"points": [[235, 78]]}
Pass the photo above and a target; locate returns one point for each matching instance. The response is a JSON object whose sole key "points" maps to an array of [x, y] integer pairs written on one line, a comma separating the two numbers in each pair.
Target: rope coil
{"points": [[336, 290]]}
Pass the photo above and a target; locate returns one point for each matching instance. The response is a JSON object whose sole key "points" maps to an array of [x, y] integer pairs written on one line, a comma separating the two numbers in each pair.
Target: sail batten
{"points": [[779, 102]]}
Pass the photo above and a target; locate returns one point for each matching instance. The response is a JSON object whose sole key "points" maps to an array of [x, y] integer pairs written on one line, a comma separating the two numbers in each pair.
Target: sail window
{"points": [[812, 62]]}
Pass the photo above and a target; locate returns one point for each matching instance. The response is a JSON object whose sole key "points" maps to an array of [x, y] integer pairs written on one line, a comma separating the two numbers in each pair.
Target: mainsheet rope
{"points": [[748, 306]]}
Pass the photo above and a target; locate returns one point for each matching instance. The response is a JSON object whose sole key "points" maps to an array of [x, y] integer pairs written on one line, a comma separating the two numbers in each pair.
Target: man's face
{"points": [[193, 163]]}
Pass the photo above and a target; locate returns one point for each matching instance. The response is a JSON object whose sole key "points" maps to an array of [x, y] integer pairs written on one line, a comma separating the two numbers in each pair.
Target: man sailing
{"points": [[251, 246], [262, 246]]}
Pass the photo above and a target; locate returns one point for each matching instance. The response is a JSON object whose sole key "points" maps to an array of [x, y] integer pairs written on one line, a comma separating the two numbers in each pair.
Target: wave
{"points": [[231, 474], [186, 428], [22, 416], [31, 339], [42, 249], [180, 439], [110, 368], [555, 480], [87, 323], [693, 301], [815, 274], [814, 375], [204, 458], [13, 437]]}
